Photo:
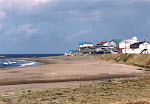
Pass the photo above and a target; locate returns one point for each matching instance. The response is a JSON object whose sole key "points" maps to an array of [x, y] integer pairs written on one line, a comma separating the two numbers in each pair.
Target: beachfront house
{"points": [[74, 52], [83, 45], [107, 47], [103, 44], [138, 48], [126, 43], [89, 50], [86, 44], [115, 43]]}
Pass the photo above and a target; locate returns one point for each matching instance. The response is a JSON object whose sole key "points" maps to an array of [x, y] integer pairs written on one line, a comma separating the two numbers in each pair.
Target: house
{"points": [[74, 52], [138, 48], [126, 43], [115, 43], [88, 50], [103, 44], [86, 44]]}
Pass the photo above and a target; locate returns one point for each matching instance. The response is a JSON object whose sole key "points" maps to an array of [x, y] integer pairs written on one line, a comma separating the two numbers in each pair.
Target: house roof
{"points": [[81, 43], [136, 45], [117, 40], [73, 50], [101, 43]]}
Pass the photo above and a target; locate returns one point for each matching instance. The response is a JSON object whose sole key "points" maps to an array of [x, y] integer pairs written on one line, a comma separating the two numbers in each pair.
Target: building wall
{"points": [[124, 45], [113, 44], [144, 46], [98, 49], [127, 43], [106, 44], [131, 51], [135, 51], [138, 50], [86, 45]]}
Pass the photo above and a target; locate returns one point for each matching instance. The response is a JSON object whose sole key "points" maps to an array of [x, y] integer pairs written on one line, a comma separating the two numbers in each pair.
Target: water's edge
{"points": [[17, 60]]}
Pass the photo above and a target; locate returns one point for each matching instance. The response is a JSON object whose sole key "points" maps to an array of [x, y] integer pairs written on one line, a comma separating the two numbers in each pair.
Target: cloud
{"points": [[80, 33], [1, 27], [28, 28], [71, 21], [36, 2], [27, 3], [132, 1], [9, 32], [3, 15], [84, 15], [22, 6], [94, 15], [26, 31]]}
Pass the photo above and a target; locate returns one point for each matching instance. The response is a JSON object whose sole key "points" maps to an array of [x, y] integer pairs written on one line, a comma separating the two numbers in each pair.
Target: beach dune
{"points": [[63, 69]]}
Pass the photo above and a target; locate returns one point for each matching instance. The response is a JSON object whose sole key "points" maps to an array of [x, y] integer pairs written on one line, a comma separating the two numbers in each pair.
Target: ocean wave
{"points": [[9, 62], [5, 63], [17, 63], [27, 64], [21, 60]]}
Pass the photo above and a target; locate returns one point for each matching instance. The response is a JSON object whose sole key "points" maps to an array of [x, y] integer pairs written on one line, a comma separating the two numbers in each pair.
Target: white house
{"points": [[86, 44], [115, 43], [74, 52], [103, 44], [126, 43], [138, 48]]}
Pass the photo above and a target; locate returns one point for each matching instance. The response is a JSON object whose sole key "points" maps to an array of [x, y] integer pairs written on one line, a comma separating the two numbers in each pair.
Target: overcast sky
{"points": [[56, 26]]}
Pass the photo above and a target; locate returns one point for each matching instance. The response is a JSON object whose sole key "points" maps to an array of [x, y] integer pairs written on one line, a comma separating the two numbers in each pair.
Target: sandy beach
{"points": [[62, 71]]}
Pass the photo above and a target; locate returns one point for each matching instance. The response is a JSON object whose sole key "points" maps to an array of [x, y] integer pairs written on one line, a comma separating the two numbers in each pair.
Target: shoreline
{"points": [[64, 69], [85, 78]]}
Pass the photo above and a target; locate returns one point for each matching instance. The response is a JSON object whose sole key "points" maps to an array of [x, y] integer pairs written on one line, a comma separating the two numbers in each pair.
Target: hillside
{"points": [[142, 60]]}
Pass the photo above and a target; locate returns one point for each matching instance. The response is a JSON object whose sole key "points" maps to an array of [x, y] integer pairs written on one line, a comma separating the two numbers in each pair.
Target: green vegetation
{"points": [[126, 91], [142, 60]]}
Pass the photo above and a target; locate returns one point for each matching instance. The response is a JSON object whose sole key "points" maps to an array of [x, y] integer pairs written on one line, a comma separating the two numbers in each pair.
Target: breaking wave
{"points": [[17, 63]]}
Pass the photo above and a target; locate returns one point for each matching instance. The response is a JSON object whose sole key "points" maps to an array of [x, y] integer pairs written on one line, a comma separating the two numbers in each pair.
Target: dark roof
{"points": [[136, 45]]}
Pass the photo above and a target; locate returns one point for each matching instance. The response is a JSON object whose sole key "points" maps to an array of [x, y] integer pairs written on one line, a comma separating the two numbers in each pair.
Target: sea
{"points": [[10, 60]]}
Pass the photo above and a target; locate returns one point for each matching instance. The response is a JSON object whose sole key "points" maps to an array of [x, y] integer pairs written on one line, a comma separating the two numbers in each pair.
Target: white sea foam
{"points": [[11, 62], [21, 60], [27, 64], [17, 63], [5, 63]]}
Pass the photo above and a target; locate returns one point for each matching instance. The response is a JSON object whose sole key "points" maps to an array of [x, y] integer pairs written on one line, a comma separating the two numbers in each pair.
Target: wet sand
{"points": [[62, 71]]}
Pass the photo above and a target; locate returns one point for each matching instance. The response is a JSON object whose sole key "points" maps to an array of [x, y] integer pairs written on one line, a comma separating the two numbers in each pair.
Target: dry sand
{"points": [[62, 71]]}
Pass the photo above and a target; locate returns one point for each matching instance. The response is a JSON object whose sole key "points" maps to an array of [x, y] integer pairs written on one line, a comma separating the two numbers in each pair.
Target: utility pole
{"points": [[125, 47], [144, 39]]}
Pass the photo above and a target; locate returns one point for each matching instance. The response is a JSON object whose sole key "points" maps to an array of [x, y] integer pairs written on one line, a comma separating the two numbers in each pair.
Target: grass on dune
{"points": [[142, 60], [127, 91], [115, 91]]}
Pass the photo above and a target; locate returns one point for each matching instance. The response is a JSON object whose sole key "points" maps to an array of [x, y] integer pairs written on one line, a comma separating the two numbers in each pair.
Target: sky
{"points": [[56, 26]]}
